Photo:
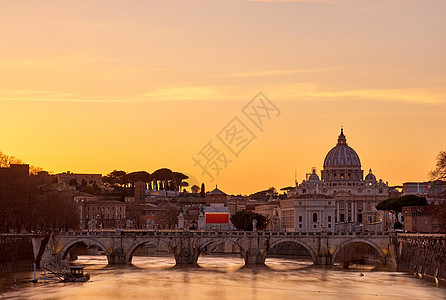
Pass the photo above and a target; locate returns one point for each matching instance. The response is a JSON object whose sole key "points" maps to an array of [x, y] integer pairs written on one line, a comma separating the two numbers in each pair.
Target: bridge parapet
{"points": [[175, 233], [187, 246]]}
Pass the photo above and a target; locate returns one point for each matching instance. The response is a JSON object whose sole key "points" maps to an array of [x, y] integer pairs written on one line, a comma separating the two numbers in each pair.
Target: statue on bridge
{"points": [[149, 224], [254, 224], [181, 221], [92, 224]]}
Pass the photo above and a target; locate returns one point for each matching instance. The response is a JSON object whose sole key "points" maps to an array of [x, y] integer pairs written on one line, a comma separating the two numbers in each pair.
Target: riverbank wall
{"points": [[424, 254], [16, 252]]}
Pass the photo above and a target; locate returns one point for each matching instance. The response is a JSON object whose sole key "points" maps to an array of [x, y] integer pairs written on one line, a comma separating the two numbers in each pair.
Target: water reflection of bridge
{"points": [[186, 246]]}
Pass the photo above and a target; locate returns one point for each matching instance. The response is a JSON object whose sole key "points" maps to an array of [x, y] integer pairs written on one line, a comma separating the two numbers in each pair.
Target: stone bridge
{"points": [[186, 246]]}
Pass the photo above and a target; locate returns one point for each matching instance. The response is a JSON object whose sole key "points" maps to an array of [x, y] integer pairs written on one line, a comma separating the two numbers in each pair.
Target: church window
{"points": [[342, 218], [359, 205], [329, 218], [304, 191], [300, 225], [329, 202], [300, 202], [341, 204], [315, 217], [380, 190], [300, 218]]}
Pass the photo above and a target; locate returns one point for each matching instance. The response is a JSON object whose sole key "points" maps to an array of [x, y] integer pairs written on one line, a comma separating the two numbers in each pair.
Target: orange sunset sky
{"points": [[93, 86]]}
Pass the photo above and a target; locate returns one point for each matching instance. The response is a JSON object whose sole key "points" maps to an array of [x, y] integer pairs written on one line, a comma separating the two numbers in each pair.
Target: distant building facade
{"points": [[215, 196], [431, 218], [217, 216], [65, 179], [342, 179], [434, 191], [308, 213], [270, 210], [107, 213]]}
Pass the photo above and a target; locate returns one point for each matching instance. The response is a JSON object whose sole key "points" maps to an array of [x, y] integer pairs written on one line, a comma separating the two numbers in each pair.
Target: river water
{"points": [[223, 277]]}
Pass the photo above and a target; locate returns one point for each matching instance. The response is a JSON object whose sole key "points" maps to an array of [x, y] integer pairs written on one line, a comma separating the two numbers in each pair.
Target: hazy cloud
{"points": [[308, 91], [261, 73]]}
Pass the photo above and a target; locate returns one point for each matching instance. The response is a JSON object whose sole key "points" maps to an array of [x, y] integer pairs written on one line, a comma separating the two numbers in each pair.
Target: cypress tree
{"points": [[202, 191]]}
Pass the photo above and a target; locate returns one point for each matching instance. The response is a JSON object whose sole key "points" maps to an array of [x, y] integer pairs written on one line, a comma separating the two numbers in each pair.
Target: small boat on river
{"points": [[76, 274]]}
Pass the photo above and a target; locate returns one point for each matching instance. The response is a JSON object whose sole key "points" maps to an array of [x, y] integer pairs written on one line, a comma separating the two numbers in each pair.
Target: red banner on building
{"points": [[219, 218]]}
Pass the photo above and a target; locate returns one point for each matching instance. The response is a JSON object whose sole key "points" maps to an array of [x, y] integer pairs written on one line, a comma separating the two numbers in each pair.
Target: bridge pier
{"points": [[186, 252], [185, 257], [254, 259], [324, 257], [323, 260], [256, 250], [117, 257]]}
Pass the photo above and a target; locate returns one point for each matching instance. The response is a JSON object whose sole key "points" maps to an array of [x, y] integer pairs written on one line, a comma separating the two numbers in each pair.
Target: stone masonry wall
{"points": [[15, 252], [425, 254]]}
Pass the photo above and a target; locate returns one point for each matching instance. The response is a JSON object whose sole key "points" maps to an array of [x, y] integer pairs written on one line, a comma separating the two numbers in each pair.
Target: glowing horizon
{"points": [[93, 87]]}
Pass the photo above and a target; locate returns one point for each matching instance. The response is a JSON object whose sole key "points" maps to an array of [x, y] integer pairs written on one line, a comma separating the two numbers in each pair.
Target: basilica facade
{"points": [[342, 179]]}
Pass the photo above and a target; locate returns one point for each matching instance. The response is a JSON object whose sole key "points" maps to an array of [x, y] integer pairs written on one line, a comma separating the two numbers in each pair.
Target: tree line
{"points": [[161, 179], [30, 204]]}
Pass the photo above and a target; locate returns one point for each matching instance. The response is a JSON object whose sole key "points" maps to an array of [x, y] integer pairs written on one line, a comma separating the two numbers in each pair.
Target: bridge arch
{"points": [[137, 244], [87, 241], [354, 241], [299, 242], [212, 244]]}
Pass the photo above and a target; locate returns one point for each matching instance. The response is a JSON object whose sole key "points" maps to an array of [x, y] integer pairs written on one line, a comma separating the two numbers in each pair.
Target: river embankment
{"points": [[16, 252], [424, 254]]}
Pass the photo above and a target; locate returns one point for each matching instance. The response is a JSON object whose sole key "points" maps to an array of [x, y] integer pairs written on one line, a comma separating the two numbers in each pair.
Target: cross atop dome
{"points": [[342, 140], [342, 163], [370, 176]]}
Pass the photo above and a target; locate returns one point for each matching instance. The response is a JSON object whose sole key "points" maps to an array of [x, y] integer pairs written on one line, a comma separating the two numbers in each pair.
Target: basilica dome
{"points": [[342, 156], [370, 176], [313, 176]]}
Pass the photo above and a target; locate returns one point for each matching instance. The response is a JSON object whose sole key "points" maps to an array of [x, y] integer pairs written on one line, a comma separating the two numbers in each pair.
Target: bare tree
{"points": [[440, 171], [8, 160]]}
